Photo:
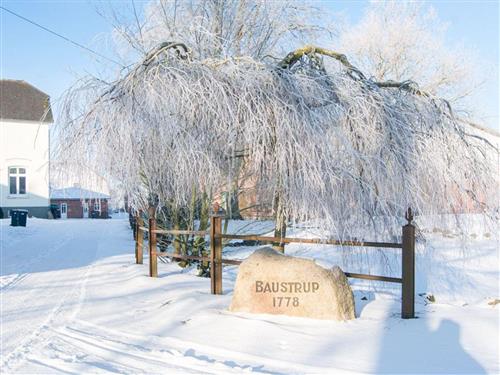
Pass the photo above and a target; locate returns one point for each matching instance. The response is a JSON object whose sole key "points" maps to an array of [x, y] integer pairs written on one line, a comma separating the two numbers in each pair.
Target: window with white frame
{"points": [[97, 205], [17, 180]]}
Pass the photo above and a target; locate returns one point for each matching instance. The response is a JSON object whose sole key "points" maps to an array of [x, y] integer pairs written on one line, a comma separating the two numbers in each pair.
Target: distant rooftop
{"points": [[76, 193], [21, 101]]}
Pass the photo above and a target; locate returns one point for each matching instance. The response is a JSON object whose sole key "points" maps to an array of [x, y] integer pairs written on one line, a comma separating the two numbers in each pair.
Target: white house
{"points": [[25, 118]]}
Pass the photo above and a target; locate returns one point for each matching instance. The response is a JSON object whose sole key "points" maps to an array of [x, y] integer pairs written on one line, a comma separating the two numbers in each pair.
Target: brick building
{"points": [[78, 203]]}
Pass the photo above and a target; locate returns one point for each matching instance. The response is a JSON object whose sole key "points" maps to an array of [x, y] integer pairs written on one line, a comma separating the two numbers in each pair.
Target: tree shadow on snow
{"points": [[410, 347]]}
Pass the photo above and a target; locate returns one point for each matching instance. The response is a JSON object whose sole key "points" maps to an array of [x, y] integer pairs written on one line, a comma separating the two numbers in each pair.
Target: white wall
{"points": [[25, 144]]}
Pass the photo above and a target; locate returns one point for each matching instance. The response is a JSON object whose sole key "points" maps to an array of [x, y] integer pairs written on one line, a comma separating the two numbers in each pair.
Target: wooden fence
{"points": [[407, 279]]}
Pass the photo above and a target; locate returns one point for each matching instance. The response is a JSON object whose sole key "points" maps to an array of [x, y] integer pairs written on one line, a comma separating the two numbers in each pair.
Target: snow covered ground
{"points": [[74, 301]]}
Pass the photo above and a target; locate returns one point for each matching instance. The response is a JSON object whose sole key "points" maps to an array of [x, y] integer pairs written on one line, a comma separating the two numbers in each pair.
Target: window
{"points": [[17, 181], [97, 205]]}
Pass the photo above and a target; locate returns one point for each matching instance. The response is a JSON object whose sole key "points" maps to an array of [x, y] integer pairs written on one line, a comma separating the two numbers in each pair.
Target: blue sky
{"points": [[53, 64]]}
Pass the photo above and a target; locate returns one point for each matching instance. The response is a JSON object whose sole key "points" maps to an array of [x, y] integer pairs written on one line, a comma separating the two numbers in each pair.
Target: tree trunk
{"points": [[176, 243], [199, 242], [280, 220]]}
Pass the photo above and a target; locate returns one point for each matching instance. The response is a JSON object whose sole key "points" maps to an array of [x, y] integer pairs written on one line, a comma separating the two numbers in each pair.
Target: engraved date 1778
{"points": [[286, 287], [285, 301]]}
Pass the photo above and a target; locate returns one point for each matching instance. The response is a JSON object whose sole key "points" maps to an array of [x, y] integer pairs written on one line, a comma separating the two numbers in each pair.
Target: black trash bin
{"points": [[18, 218], [56, 211], [14, 218]]}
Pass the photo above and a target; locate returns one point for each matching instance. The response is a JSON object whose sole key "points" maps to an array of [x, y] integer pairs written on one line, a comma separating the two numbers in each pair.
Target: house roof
{"points": [[21, 101], [76, 193]]}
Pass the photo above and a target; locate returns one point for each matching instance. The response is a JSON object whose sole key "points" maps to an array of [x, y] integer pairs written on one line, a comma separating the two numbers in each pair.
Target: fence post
{"points": [[408, 269], [153, 260], [139, 239], [215, 254]]}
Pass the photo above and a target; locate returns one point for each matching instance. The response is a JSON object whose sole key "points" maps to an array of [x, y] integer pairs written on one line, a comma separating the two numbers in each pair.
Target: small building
{"points": [[25, 118], [78, 203]]}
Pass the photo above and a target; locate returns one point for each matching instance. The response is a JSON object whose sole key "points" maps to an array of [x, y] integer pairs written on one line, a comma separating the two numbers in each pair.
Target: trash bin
{"points": [[56, 211], [18, 218], [14, 218]]}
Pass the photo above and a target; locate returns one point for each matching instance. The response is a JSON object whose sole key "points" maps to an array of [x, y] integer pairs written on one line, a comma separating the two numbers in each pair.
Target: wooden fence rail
{"points": [[407, 279]]}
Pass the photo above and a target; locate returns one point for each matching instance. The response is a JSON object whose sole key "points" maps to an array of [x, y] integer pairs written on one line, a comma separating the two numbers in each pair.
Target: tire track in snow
{"points": [[99, 352], [10, 282], [218, 360], [15, 358]]}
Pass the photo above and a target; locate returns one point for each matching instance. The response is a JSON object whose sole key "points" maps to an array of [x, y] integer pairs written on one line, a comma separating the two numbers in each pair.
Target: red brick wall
{"points": [[75, 207], [104, 207]]}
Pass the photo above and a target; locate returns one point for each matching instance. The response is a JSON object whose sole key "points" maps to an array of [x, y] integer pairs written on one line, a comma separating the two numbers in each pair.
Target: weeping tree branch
{"points": [[180, 49], [337, 147], [295, 56]]}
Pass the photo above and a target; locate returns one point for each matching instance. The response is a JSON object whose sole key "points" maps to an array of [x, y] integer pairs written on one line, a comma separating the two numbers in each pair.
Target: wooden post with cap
{"points": [[408, 269], [216, 251], [153, 260]]}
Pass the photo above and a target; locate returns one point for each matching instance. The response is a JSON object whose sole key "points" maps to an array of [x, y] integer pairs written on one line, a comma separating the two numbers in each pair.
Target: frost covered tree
{"points": [[398, 40], [219, 28], [336, 146], [324, 142]]}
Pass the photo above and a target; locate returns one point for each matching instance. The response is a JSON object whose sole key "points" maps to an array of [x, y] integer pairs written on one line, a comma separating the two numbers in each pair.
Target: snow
{"points": [[74, 301]]}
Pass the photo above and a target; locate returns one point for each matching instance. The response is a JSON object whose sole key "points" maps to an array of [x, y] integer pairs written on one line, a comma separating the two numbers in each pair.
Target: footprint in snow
{"points": [[166, 303], [283, 345], [176, 353]]}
